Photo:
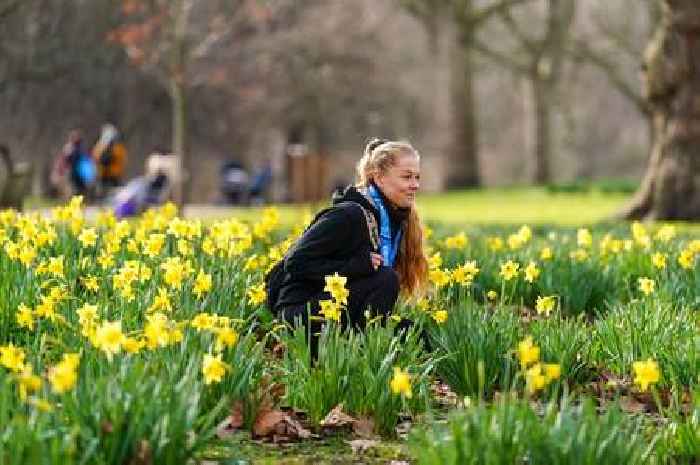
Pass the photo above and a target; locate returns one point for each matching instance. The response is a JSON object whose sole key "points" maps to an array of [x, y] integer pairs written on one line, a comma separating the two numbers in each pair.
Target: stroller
{"points": [[234, 183], [140, 193]]}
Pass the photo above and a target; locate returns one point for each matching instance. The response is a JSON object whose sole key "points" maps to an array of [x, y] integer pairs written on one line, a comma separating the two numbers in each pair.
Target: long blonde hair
{"points": [[411, 263]]}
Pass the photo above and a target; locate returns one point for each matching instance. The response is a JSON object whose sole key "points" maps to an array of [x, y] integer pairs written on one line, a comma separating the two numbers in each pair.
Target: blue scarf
{"points": [[388, 247]]}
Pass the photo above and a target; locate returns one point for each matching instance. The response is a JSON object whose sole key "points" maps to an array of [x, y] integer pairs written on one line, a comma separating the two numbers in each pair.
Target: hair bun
{"points": [[373, 143]]}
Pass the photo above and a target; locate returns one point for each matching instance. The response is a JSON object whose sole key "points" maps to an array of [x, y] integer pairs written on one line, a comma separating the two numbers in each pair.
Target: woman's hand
{"points": [[376, 260]]}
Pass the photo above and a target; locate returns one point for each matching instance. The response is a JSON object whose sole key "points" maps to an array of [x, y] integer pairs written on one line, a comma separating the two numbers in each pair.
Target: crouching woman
{"points": [[371, 235]]}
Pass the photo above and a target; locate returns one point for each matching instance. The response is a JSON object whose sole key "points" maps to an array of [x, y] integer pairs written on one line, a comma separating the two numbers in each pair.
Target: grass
{"points": [[530, 205], [334, 450], [487, 206], [498, 206]]}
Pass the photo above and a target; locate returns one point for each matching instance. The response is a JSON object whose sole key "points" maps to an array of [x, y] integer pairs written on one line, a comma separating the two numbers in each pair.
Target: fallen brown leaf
{"points": [[336, 418], [233, 422], [631, 405], [278, 426]]}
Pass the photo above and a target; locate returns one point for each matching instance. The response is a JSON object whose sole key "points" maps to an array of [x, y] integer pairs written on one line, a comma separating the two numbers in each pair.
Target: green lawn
{"points": [[487, 206], [521, 205]]}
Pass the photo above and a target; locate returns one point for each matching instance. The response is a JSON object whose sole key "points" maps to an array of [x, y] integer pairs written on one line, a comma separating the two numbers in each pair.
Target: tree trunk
{"points": [[464, 157], [640, 205], [672, 86], [543, 96], [179, 142], [178, 96]]}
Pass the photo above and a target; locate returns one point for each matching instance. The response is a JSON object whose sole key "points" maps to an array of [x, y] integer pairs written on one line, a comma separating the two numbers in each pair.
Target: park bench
{"points": [[15, 182]]}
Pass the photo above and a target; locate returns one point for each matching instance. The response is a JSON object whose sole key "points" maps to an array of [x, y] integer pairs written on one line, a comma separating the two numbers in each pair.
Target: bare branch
{"points": [[528, 43], [500, 57], [8, 7], [479, 16], [619, 38], [609, 66]]}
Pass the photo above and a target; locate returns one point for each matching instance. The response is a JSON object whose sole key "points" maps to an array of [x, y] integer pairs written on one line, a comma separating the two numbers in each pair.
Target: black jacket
{"points": [[339, 241]]}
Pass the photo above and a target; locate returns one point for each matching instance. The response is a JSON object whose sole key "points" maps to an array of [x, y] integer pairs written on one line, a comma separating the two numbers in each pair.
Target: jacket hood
{"points": [[353, 194]]}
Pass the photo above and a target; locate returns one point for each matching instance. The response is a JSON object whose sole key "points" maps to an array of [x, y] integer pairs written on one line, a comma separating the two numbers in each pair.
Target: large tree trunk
{"points": [[464, 155], [543, 99], [546, 76], [671, 188]]}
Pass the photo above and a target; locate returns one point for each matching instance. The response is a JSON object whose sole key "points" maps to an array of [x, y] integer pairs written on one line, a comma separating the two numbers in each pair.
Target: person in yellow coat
{"points": [[110, 156]]}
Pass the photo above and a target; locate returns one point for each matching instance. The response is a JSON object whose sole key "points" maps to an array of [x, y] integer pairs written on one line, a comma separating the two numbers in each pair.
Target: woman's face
{"points": [[400, 182]]}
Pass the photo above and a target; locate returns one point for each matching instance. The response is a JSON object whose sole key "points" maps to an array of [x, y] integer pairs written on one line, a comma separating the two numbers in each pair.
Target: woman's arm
{"points": [[316, 254]]}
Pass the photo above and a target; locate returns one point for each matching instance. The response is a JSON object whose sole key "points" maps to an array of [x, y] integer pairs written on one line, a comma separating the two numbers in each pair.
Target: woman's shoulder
{"points": [[347, 212]]}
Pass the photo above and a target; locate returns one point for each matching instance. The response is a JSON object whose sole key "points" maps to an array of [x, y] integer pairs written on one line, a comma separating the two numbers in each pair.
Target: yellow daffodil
{"points": [[545, 304], [528, 352], [584, 239], [335, 285], [64, 375], [552, 371], [494, 243], [401, 383], [156, 331], [27, 382], [203, 321], [646, 285], [257, 294], [109, 338], [213, 368], [90, 283], [225, 338], [25, 317], [330, 310], [12, 357], [208, 246], [458, 241], [686, 259], [546, 254], [531, 272], [132, 345], [154, 244], [439, 277], [184, 248], [440, 316], [580, 255], [509, 270], [435, 261], [646, 373], [202, 284], [658, 260], [88, 237]]}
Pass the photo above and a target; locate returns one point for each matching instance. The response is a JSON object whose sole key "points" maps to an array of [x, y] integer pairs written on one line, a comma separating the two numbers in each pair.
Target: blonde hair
{"points": [[411, 263]]}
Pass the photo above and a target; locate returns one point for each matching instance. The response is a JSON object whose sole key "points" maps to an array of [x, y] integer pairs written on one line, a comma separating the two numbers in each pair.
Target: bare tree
{"points": [[468, 17], [612, 43], [671, 83], [165, 38], [539, 58]]}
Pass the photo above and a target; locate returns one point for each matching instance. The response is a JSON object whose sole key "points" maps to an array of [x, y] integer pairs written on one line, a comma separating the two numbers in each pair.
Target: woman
{"points": [[340, 241]]}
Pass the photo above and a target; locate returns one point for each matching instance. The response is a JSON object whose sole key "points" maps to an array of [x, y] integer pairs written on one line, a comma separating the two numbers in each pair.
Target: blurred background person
{"points": [[110, 155], [73, 171]]}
